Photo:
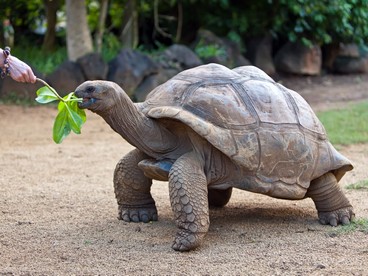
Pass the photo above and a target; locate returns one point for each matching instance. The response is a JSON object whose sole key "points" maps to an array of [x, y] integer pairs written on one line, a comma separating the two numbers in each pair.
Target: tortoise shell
{"points": [[265, 128]]}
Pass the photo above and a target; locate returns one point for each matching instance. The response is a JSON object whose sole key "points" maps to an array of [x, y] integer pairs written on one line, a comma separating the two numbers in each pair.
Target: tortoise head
{"points": [[98, 96]]}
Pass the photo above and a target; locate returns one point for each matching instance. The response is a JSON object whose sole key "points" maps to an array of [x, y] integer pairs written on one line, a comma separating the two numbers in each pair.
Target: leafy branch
{"points": [[69, 117]]}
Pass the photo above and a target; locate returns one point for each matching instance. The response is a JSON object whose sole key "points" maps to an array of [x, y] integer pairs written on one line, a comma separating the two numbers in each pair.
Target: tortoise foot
{"points": [[186, 240], [340, 216], [145, 213]]}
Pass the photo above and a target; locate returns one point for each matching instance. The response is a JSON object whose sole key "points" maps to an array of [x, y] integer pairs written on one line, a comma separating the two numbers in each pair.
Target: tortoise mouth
{"points": [[87, 102], [88, 99]]}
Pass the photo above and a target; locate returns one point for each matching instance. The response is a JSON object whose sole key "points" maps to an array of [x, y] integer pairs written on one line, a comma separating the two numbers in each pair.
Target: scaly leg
{"points": [[332, 205], [132, 189], [188, 196]]}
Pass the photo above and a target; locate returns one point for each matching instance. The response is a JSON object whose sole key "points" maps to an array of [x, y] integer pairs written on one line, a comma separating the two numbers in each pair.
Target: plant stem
{"points": [[52, 89], [76, 100]]}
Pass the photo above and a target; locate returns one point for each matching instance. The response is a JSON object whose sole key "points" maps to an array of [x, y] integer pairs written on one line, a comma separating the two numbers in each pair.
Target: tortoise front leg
{"points": [[332, 205], [188, 196], [133, 189]]}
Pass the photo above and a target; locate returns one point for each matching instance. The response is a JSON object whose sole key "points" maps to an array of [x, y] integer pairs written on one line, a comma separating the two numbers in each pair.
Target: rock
{"points": [[171, 61], [93, 66], [349, 50], [211, 48], [296, 58], [350, 65], [179, 57], [66, 77], [129, 69], [236, 58], [146, 86], [149, 83], [350, 60], [259, 52]]}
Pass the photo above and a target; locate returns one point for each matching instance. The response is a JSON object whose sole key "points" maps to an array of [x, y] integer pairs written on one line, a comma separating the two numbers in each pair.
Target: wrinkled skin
{"points": [[211, 129]]}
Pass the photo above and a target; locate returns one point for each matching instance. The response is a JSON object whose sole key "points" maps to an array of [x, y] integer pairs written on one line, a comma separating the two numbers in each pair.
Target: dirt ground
{"points": [[58, 214]]}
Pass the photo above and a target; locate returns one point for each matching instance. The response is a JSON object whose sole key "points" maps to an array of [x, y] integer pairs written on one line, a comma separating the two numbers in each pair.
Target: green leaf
{"points": [[45, 95], [61, 127], [74, 106], [69, 116], [68, 96], [61, 106], [75, 121]]}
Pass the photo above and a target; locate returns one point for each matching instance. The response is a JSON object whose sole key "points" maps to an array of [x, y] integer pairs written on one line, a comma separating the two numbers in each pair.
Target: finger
{"points": [[33, 78], [27, 77], [17, 77], [23, 77], [30, 77]]}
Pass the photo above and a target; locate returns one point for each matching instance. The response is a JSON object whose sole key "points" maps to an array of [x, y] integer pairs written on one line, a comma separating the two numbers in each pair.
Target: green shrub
{"points": [[210, 50], [35, 56], [323, 22]]}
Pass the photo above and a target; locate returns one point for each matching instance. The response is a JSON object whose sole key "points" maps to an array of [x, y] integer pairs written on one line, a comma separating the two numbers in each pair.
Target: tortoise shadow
{"points": [[266, 214]]}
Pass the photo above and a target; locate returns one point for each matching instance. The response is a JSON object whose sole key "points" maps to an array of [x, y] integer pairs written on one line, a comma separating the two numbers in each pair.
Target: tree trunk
{"points": [[49, 39], [329, 54], [129, 34], [101, 24], [179, 28], [78, 36]]}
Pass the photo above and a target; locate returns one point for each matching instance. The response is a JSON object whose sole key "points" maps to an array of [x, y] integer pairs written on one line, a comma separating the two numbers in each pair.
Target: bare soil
{"points": [[58, 214]]}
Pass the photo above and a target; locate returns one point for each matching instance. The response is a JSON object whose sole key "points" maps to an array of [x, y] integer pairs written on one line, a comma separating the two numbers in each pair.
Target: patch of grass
{"points": [[13, 98], [87, 242], [360, 225], [359, 185], [45, 63], [346, 126]]}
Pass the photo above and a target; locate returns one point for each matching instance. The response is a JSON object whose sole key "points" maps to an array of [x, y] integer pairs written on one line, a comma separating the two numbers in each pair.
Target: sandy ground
{"points": [[58, 214]]}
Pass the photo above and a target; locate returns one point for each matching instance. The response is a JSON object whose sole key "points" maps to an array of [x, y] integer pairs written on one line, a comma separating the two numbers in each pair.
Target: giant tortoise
{"points": [[210, 129]]}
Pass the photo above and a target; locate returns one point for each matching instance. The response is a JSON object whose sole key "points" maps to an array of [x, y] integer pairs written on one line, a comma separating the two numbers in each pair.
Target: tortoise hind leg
{"points": [[219, 198], [332, 205]]}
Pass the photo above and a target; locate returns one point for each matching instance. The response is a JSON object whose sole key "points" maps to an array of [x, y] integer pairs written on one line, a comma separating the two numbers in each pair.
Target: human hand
{"points": [[20, 71]]}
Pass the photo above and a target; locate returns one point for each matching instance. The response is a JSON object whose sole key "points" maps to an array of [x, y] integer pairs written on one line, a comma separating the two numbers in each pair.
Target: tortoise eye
{"points": [[90, 89]]}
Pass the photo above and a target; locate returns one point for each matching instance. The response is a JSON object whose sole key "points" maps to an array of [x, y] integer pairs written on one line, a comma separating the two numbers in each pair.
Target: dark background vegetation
{"points": [[164, 22]]}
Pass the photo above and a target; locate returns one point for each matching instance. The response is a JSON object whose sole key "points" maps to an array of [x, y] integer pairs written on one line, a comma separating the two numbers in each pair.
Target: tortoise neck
{"points": [[135, 127]]}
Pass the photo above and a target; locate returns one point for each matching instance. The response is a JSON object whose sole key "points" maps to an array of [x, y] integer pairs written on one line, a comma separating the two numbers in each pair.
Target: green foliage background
{"points": [[311, 21]]}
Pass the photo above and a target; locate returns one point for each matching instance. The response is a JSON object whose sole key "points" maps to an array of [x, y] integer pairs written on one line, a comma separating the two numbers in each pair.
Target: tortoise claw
{"points": [[340, 216], [186, 240], [333, 222], [345, 220], [138, 214]]}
